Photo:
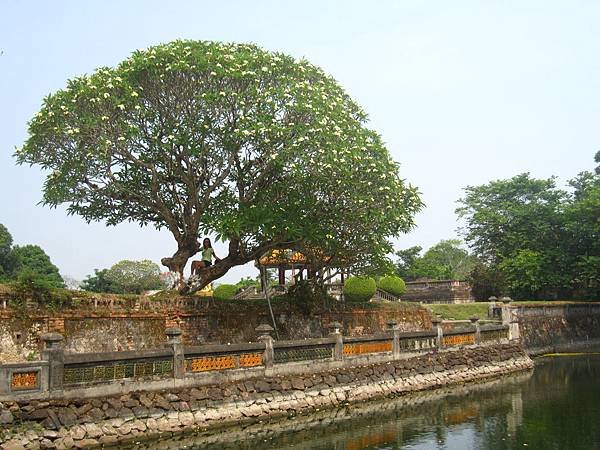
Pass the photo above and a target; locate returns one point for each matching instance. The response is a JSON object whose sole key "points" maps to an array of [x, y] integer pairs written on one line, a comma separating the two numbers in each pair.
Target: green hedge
{"points": [[225, 292], [359, 289], [392, 284]]}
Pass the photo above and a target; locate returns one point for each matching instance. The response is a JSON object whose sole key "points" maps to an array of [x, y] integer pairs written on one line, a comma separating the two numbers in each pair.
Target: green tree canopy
{"points": [[99, 283], [406, 261], [257, 148], [33, 260], [536, 239], [505, 216], [134, 277], [5, 248], [444, 261]]}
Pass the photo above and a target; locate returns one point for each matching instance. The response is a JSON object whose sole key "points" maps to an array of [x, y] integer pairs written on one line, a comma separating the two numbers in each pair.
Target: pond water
{"points": [[557, 406]]}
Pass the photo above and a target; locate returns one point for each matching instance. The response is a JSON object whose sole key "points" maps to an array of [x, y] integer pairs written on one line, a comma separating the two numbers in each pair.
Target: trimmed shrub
{"points": [[225, 292], [392, 284], [359, 289]]}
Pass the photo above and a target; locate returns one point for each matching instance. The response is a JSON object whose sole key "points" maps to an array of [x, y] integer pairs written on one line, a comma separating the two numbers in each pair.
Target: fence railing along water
{"points": [[88, 374]]}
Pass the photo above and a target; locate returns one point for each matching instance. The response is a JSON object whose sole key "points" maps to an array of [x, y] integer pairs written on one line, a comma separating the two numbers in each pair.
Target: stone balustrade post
{"points": [[393, 325], [338, 349], [264, 332], [175, 343], [436, 324], [53, 352], [506, 310], [491, 306], [475, 322]]}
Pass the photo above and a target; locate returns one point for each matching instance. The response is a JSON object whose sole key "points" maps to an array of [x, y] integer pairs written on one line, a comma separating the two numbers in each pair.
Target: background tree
{"points": [[99, 283], [406, 261], [446, 260], [134, 277], [33, 260], [257, 148], [542, 241], [486, 281], [582, 226], [5, 249]]}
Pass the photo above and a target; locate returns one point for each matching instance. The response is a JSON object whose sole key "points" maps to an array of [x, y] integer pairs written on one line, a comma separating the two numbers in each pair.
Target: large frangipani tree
{"points": [[257, 148]]}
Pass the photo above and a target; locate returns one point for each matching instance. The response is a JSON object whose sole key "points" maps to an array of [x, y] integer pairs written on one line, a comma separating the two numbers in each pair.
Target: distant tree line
{"points": [[533, 239], [446, 260], [529, 238], [26, 263], [126, 277]]}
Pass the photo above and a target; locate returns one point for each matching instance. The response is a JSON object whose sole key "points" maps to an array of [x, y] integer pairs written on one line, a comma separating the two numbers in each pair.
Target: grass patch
{"points": [[459, 311]]}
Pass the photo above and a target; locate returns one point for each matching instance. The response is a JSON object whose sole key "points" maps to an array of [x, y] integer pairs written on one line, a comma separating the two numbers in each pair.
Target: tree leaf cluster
{"points": [[539, 240], [30, 260], [126, 277], [253, 147], [446, 260]]}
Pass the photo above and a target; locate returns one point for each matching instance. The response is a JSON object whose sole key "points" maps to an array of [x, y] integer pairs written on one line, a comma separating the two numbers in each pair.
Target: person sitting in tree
{"points": [[207, 255]]}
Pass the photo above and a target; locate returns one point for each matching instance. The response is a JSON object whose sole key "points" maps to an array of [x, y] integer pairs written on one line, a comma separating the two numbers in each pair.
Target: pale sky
{"points": [[462, 92]]}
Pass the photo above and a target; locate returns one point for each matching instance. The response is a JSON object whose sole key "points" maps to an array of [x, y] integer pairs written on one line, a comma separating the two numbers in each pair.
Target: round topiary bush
{"points": [[225, 292], [359, 289], [392, 284]]}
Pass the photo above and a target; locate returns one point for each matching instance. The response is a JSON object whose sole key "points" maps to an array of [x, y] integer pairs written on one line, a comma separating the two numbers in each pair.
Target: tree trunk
{"points": [[177, 262], [236, 257], [209, 274]]}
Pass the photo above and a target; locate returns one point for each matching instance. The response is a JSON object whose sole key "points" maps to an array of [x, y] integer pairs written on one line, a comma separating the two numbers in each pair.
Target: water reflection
{"points": [[555, 407]]}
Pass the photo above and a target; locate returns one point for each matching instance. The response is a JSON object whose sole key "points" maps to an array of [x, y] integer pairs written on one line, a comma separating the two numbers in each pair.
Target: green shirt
{"points": [[207, 254]]}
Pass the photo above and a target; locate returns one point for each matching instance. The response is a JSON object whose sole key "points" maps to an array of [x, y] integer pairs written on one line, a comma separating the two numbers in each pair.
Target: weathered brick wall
{"points": [[104, 328], [448, 291], [557, 326]]}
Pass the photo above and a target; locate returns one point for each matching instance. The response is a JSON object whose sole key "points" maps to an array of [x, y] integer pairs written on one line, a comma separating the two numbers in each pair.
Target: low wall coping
{"points": [[223, 348], [304, 343], [375, 338], [24, 365], [84, 358]]}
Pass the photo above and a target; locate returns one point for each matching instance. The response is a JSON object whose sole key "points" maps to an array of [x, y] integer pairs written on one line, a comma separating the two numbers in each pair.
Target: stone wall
{"points": [[112, 419], [97, 327], [444, 291], [556, 327]]}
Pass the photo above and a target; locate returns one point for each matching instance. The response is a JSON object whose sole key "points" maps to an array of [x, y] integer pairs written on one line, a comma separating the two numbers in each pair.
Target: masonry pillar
{"points": [[510, 318], [174, 342], [436, 324], [54, 354], [338, 349], [475, 322], [264, 332], [393, 326]]}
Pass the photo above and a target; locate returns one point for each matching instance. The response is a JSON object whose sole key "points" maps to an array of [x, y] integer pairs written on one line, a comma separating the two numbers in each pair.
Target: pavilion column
{"points": [[281, 276]]}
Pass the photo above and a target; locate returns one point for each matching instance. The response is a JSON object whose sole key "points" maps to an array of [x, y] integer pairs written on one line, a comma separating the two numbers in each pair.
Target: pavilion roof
{"points": [[285, 257]]}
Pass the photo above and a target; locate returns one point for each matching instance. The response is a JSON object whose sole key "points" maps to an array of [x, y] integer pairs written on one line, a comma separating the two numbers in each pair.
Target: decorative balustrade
{"points": [[222, 357], [60, 372], [493, 333], [368, 344], [310, 349], [418, 341], [92, 368]]}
